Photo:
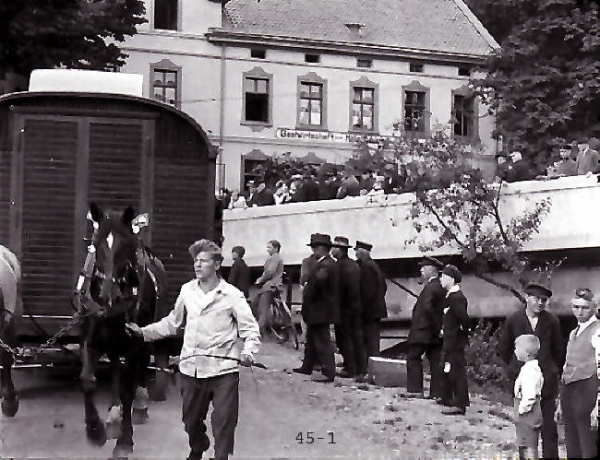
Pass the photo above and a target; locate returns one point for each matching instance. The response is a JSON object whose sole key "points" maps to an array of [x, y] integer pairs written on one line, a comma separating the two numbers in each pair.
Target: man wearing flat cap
{"points": [[320, 309], [535, 319], [372, 297], [424, 337], [348, 333], [455, 333]]}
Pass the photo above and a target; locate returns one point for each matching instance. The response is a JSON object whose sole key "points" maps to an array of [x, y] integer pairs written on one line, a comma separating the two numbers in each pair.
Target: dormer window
{"points": [[355, 28]]}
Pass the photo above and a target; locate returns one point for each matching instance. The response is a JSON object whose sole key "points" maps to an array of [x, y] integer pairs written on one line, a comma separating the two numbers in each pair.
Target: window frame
{"points": [[178, 19], [257, 73], [465, 92], [419, 67], [416, 86], [256, 156], [367, 61], [364, 83], [314, 79], [261, 51], [166, 66]]}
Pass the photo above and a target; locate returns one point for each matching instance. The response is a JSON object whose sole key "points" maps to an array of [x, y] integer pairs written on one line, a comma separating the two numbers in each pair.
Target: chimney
{"points": [[355, 28]]}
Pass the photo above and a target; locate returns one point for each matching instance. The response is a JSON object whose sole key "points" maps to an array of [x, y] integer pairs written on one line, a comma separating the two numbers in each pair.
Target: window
{"points": [[311, 104], [165, 86], [258, 53], [166, 14], [416, 108], [364, 63], [415, 67], [464, 71], [257, 99], [312, 58], [464, 114], [363, 108]]}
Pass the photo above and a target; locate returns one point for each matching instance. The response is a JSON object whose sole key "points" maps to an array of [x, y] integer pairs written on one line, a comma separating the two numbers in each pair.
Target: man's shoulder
{"points": [[549, 317]]}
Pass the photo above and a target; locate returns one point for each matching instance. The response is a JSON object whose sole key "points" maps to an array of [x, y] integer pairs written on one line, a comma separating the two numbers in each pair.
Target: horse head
{"points": [[115, 271]]}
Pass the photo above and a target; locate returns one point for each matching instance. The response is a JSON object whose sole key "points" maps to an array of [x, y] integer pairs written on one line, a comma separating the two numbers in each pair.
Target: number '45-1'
{"points": [[309, 438]]}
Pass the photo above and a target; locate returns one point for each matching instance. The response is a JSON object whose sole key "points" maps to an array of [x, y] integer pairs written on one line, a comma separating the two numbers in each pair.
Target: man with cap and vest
{"points": [[372, 296], [348, 333], [320, 309], [535, 319], [425, 337], [579, 392], [455, 335]]}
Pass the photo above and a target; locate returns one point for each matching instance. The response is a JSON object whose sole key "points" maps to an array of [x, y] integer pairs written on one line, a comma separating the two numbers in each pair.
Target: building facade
{"points": [[310, 77]]}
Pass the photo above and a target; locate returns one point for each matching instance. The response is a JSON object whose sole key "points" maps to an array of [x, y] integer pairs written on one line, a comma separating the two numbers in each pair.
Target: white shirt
{"points": [[528, 385], [532, 320], [214, 323]]}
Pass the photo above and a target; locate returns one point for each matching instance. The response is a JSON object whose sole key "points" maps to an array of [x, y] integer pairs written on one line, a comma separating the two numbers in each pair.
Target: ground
{"points": [[345, 420]]}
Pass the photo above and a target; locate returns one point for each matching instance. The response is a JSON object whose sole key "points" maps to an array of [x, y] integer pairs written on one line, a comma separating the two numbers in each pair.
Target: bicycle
{"points": [[280, 320]]}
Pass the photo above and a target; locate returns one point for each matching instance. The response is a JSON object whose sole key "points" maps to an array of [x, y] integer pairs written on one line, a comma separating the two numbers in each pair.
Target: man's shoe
{"points": [[344, 374], [360, 378], [441, 402], [301, 370], [454, 411], [415, 394], [322, 379]]}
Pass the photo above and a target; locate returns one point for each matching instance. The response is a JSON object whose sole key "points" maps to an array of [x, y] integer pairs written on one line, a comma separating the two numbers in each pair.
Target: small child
{"points": [[528, 390]]}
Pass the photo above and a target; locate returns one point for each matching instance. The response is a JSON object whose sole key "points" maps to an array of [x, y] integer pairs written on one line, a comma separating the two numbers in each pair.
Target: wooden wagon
{"points": [[61, 150]]}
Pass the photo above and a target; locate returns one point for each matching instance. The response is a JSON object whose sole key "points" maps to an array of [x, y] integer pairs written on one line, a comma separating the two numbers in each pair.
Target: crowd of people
{"points": [[549, 382], [327, 183]]}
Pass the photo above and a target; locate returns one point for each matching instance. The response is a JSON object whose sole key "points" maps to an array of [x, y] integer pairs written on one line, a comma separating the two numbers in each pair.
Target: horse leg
{"points": [[113, 421], [94, 426], [124, 444], [10, 402], [139, 414]]}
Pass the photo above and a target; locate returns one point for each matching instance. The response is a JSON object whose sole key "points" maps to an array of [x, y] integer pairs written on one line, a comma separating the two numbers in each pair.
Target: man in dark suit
{"points": [[239, 275], [534, 319], [372, 297], [455, 332], [320, 309], [348, 333], [424, 337]]}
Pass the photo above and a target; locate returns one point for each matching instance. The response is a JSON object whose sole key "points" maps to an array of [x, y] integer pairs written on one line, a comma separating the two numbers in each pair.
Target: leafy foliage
{"points": [[544, 84], [69, 33]]}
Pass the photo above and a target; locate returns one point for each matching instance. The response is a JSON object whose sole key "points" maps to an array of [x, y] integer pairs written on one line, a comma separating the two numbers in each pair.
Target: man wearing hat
{"points": [[320, 309], [579, 392], [535, 319], [348, 333], [566, 166], [455, 333], [372, 296], [424, 337]]}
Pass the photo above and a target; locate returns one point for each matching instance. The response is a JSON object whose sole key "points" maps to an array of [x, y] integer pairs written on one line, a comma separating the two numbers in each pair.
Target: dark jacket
{"points": [[428, 314], [518, 171], [321, 303], [372, 290], [327, 189], [262, 198], [455, 322], [551, 355], [349, 286], [308, 191], [239, 276]]}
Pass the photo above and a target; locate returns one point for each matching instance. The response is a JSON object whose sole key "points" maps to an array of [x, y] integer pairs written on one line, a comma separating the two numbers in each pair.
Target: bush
{"points": [[484, 365]]}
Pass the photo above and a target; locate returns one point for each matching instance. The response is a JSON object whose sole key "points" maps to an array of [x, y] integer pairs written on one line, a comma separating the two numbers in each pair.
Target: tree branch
{"points": [[442, 223], [404, 288], [501, 285]]}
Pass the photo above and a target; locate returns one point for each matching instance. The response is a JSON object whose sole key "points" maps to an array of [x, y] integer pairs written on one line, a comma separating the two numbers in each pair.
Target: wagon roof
{"points": [[122, 97]]}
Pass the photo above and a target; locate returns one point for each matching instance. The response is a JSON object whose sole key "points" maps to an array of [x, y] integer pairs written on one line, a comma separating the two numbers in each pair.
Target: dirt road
{"points": [[280, 413]]}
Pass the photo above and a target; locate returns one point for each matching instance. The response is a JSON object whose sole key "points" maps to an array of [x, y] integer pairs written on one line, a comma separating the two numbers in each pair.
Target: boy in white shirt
{"points": [[528, 391]]}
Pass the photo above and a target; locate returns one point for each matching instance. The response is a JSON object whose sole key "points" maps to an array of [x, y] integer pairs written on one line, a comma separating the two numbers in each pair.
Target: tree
{"points": [[65, 33], [544, 84], [455, 207]]}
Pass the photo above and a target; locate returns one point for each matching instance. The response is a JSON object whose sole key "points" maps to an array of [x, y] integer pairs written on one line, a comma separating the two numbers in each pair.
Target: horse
{"points": [[10, 313], [121, 282]]}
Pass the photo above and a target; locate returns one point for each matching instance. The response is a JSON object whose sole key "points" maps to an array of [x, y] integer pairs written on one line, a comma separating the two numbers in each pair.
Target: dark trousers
{"points": [[371, 328], [349, 338], [455, 386], [319, 349], [577, 400], [414, 368], [223, 391], [549, 429]]}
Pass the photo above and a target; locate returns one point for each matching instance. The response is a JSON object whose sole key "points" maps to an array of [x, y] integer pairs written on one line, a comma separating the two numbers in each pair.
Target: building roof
{"points": [[443, 26]]}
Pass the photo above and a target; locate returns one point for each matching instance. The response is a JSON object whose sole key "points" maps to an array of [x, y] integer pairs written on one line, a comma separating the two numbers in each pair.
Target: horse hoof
{"points": [[10, 406], [121, 451], [139, 416], [113, 429], [96, 433]]}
